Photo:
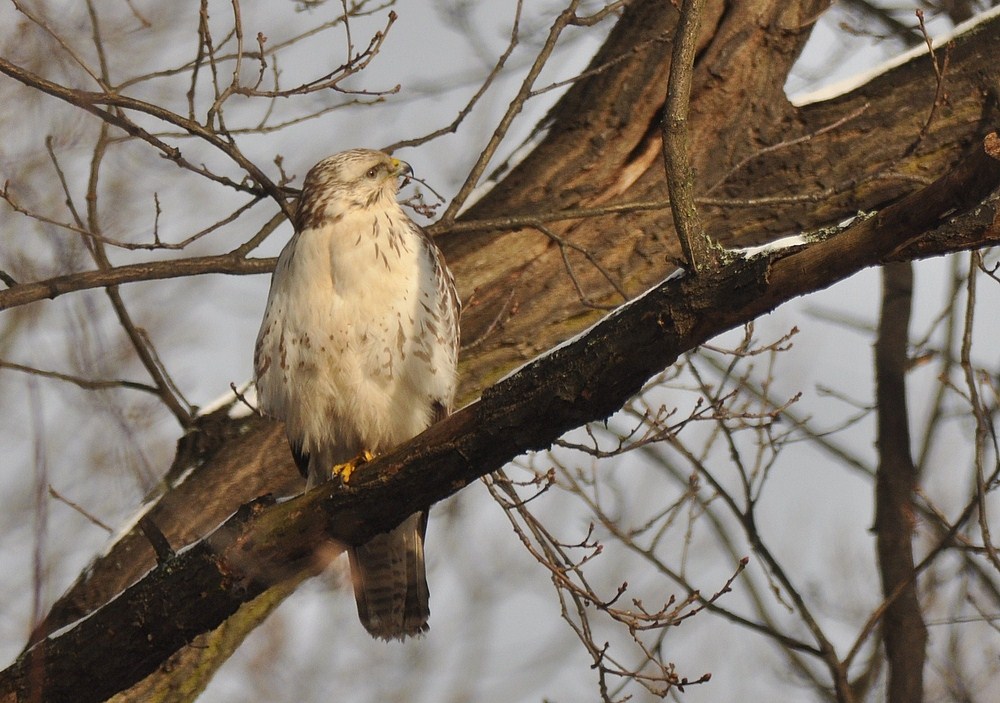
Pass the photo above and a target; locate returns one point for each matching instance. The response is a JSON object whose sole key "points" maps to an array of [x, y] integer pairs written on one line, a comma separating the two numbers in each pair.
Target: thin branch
{"points": [[533, 220], [767, 629], [89, 102], [167, 391], [785, 144], [564, 19], [940, 97], [272, 50], [564, 245], [156, 244], [85, 383], [978, 412], [332, 79], [95, 33], [467, 109], [233, 264], [255, 241], [70, 51], [875, 618], [78, 508]]}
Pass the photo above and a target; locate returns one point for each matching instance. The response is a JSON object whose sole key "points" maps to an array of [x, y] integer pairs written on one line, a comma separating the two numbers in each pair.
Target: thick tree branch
{"points": [[586, 379], [606, 148]]}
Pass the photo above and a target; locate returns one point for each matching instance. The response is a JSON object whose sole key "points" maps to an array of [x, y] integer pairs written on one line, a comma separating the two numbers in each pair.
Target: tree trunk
{"points": [[904, 632]]}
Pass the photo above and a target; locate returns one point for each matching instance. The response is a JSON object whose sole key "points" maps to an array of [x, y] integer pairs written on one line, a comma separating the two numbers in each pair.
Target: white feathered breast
{"points": [[349, 351]]}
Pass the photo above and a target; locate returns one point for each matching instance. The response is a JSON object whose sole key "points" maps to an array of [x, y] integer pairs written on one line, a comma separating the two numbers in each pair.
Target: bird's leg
{"points": [[345, 470]]}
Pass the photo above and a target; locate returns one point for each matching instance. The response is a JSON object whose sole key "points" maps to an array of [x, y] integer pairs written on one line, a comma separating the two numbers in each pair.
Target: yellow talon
{"points": [[345, 470]]}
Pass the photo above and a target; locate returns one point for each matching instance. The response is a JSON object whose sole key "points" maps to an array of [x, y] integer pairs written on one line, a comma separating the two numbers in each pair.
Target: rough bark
{"points": [[602, 147]]}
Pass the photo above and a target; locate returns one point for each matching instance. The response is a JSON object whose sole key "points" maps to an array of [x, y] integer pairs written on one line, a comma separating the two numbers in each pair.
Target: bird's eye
{"points": [[372, 172]]}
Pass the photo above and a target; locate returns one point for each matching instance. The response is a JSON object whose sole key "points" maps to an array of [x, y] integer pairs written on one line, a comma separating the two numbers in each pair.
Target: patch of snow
{"points": [[794, 240], [238, 408], [859, 79]]}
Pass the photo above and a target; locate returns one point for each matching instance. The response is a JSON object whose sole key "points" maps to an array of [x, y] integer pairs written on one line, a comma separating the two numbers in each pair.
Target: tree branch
{"points": [[88, 102], [904, 632], [695, 244], [23, 293], [586, 379]]}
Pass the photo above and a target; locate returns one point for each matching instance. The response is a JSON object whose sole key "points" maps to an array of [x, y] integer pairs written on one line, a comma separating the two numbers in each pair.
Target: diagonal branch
{"points": [[564, 20], [586, 379]]}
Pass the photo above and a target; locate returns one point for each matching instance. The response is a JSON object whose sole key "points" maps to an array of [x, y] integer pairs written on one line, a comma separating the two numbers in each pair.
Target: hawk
{"points": [[357, 353]]}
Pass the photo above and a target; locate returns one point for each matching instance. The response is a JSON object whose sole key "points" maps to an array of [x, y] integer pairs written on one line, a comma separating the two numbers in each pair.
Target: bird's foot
{"points": [[345, 470]]}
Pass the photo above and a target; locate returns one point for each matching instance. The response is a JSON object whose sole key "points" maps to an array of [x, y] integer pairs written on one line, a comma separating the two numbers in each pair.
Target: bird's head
{"points": [[358, 178]]}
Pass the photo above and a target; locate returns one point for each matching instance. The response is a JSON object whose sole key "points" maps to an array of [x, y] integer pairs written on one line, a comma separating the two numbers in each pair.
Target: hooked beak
{"points": [[401, 168]]}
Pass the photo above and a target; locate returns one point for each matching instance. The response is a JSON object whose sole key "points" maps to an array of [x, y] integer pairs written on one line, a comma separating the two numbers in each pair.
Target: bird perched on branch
{"points": [[357, 353]]}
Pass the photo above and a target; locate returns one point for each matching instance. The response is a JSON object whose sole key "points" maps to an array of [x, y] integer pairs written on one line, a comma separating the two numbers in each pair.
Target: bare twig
{"points": [[564, 245], [78, 508], [785, 144], [85, 383], [90, 102], [8, 197], [167, 391], [70, 51], [940, 97], [564, 20], [238, 394], [330, 80], [983, 424], [579, 600], [232, 263], [484, 86]]}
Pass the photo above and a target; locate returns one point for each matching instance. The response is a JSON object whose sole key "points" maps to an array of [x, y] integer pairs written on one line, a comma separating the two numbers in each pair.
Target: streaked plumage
{"points": [[357, 351]]}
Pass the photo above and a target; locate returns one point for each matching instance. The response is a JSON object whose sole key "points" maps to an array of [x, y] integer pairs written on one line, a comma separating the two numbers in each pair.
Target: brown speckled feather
{"points": [[358, 351]]}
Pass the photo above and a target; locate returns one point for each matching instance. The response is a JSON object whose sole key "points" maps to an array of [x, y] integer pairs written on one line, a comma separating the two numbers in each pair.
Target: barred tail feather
{"points": [[390, 584]]}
